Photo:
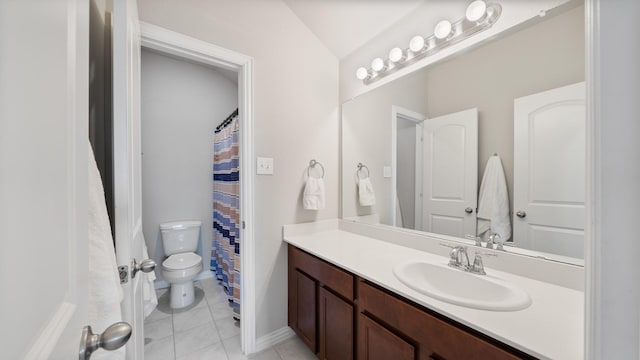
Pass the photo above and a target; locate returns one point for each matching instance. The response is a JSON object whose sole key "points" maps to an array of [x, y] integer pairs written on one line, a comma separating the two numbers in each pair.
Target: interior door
{"points": [[549, 170], [450, 174], [44, 68], [127, 163]]}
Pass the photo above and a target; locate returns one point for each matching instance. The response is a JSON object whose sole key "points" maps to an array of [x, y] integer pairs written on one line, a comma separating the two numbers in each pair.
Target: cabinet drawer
{"points": [[338, 280], [435, 338]]}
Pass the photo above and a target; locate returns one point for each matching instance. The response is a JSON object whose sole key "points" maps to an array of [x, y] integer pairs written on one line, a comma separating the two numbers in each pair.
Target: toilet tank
{"points": [[180, 236]]}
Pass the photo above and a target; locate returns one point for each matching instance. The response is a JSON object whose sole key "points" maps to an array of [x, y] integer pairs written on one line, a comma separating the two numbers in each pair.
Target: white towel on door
{"points": [[149, 297], [313, 196], [105, 292], [493, 201], [366, 195]]}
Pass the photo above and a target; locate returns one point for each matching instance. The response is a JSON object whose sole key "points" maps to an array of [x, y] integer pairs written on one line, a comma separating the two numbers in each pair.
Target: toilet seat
{"points": [[177, 262]]}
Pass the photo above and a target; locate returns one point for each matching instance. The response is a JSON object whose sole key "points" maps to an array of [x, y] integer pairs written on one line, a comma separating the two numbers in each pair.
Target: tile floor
{"points": [[205, 330]]}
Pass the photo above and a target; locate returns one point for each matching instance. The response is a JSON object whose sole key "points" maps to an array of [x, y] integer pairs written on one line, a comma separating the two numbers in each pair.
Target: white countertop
{"points": [[551, 328]]}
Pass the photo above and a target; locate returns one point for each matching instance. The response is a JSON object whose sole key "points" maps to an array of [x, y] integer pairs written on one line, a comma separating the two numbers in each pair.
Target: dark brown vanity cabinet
{"points": [[340, 316], [321, 309]]}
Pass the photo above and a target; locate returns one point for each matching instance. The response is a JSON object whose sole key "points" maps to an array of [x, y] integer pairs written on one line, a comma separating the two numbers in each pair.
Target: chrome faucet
{"points": [[459, 259]]}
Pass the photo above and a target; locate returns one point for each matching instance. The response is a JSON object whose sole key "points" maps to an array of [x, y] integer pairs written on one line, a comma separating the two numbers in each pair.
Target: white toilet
{"points": [[180, 241]]}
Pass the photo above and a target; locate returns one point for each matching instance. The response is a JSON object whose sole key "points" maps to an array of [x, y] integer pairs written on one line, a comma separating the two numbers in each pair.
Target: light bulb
{"points": [[396, 55], [442, 30], [416, 44], [377, 64], [476, 10], [362, 73]]}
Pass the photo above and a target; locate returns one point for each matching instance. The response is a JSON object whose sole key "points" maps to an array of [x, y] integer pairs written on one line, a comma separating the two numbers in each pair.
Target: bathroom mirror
{"points": [[423, 141]]}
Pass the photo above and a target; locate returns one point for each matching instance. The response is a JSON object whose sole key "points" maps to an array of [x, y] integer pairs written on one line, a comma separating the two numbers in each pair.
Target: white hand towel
{"points": [[493, 201], [366, 195], [149, 297], [105, 292], [313, 196]]}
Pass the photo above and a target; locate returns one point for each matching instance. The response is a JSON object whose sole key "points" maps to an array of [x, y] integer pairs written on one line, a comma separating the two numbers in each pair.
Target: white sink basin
{"points": [[458, 287]]}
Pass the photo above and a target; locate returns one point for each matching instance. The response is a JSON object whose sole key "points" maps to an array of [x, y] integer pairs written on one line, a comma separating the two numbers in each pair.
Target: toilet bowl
{"points": [[179, 270], [180, 241]]}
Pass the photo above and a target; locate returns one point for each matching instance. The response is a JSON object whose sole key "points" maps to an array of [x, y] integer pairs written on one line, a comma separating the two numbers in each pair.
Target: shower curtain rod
{"points": [[227, 120]]}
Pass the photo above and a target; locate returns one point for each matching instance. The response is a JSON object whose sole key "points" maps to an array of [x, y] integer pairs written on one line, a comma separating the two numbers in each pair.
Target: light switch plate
{"points": [[264, 166], [387, 171]]}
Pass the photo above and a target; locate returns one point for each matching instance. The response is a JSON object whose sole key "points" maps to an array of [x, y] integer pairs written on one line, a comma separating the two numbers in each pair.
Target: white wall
{"points": [[182, 103], [296, 119]]}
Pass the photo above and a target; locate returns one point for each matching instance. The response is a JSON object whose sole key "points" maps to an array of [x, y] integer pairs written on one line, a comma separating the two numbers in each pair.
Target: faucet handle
{"points": [[478, 266]]}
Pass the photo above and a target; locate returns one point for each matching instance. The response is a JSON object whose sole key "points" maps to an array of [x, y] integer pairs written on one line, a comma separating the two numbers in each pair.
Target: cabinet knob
{"points": [[521, 214]]}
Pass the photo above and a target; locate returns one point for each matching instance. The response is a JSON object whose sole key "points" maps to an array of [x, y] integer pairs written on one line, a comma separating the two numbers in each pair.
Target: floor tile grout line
{"points": [[173, 332]]}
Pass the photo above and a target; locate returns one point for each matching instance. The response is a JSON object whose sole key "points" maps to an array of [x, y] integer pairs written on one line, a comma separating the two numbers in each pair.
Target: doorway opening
{"points": [[217, 86]]}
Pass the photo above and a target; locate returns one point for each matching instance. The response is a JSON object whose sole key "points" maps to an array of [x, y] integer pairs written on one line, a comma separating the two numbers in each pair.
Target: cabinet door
{"points": [[304, 321], [336, 327], [377, 343]]}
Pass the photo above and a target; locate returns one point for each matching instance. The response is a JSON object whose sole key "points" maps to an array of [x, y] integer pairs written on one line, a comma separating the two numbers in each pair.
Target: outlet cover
{"points": [[264, 166]]}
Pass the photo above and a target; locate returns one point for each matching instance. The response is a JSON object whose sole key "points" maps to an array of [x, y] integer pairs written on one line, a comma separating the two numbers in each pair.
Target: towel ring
{"points": [[313, 164], [362, 166]]}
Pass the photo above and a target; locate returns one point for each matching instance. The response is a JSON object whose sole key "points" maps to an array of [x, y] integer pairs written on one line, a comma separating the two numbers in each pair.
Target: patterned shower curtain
{"points": [[225, 254]]}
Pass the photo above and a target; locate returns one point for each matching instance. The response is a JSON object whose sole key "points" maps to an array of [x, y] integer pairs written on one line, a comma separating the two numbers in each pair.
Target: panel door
{"points": [[335, 327], [549, 171], [450, 174], [44, 72], [127, 163], [377, 343]]}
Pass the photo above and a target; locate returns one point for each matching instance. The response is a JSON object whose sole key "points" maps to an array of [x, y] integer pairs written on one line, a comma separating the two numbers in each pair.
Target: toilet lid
{"points": [[181, 261]]}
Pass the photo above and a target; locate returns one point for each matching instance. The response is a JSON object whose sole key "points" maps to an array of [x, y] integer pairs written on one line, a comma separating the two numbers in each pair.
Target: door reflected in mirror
{"points": [[491, 141]]}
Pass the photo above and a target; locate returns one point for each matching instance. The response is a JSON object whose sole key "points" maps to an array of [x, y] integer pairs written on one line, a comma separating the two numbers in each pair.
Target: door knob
{"points": [[146, 266], [112, 338], [468, 210], [521, 214]]}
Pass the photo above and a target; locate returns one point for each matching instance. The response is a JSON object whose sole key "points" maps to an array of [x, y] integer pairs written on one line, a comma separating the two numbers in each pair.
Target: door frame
{"points": [[185, 47], [399, 111]]}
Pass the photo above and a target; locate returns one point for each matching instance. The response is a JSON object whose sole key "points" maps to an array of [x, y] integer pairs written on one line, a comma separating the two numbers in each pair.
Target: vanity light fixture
{"points": [[442, 30], [479, 16], [396, 55], [377, 65]]}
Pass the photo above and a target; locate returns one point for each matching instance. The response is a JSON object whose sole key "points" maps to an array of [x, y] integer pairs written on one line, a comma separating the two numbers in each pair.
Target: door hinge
{"points": [[244, 225], [123, 272]]}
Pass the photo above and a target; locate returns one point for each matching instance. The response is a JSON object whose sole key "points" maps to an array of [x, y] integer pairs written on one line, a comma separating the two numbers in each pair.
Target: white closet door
{"points": [[450, 174], [549, 171]]}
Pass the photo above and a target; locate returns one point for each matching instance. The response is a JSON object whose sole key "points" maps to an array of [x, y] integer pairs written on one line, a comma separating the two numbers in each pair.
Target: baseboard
{"points": [[273, 338], [161, 284]]}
